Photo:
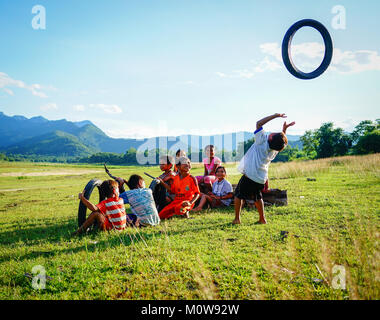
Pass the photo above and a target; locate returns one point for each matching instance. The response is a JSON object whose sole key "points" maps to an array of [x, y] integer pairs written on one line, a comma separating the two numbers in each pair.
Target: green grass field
{"points": [[333, 221]]}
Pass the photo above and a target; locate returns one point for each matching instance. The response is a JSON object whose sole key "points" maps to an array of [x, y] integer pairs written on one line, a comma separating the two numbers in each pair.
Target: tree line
{"points": [[323, 142]]}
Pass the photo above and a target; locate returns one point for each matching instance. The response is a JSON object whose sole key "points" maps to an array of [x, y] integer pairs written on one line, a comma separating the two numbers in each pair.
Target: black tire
{"points": [[286, 46], [87, 194]]}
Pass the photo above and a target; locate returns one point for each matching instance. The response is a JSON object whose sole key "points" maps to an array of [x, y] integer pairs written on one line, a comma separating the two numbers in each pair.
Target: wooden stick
{"points": [[113, 177], [321, 274], [149, 176]]}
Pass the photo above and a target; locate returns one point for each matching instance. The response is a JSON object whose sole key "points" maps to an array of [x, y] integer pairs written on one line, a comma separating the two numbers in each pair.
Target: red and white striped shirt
{"points": [[114, 210]]}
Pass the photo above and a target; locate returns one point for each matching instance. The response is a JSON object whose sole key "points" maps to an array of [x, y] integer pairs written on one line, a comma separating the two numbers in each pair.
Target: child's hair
{"points": [[182, 160], [179, 152], [279, 141], [134, 180], [108, 186], [167, 160], [221, 167], [209, 147]]}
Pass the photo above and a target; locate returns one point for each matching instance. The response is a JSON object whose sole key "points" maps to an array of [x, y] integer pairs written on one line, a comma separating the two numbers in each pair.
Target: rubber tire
{"points": [[286, 47], [82, 216]]}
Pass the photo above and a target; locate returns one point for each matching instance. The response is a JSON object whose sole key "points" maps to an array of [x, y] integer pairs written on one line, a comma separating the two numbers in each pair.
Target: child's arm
{"points": [[167, 187], [190, 203], [286, 126], [265, 120], [168, 178], [87, 203], [229, 195], [205, 173]]}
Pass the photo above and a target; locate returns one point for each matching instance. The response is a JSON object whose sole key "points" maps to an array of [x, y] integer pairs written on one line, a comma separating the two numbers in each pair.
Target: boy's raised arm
{"points": [[265, 120], [87, 203]]}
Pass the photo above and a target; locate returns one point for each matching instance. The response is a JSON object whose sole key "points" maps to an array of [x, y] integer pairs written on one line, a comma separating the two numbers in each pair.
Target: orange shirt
{"points": [[184, 189]]}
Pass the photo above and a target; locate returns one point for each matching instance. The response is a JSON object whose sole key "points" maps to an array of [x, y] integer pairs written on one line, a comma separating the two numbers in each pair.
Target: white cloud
{"points": [[6, 82], [306, 56], [221, 74], [107, 108], [9, 91], [49, 106], [342, 62], [267, 65], [272, 49], [79, 107], [355, 61]]}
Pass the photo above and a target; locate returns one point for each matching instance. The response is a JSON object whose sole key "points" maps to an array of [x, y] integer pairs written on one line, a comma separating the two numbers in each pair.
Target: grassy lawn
{"points": [[331, 221]]}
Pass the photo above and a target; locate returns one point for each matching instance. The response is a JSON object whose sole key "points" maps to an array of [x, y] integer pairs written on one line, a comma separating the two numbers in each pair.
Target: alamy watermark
{"points": [[339, 278], [39, 19], [39, 280], [229, 146], [339, 21]]}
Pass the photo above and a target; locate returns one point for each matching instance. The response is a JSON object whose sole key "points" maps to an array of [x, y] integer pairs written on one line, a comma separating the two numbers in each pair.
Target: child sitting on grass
{"points": [[141, 201], [108, 214], [211, 163], [185, 188], [254, 166], [221, 195], [161, 196]]}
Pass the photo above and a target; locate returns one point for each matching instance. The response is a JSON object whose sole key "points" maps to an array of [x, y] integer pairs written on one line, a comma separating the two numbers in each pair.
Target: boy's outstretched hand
{"points": [[281, 115], [286, 126]]}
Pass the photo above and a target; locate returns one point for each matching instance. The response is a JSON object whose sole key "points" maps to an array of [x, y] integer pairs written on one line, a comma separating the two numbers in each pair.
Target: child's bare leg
{"points": [[238, 205], [203, 201], [260, 208], [94, 216]]}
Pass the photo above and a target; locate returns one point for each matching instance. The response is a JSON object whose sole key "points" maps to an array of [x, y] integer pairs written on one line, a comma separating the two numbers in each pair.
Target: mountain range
{"points": [[40, 136]]}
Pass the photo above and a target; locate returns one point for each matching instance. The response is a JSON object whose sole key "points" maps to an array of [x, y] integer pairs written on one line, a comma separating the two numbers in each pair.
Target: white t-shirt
{"points": [[255, 162]]}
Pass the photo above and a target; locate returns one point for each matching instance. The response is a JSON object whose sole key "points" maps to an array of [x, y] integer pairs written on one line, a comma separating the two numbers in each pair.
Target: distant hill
{"points": [[55, 143], [38, 135]]}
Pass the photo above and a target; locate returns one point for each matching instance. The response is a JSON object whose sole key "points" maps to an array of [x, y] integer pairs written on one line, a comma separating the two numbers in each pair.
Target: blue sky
{"points": [[147, 68]]}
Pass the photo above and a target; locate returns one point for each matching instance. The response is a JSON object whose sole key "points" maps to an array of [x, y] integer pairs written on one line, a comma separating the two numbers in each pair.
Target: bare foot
{"points": [[261, 222], [236, 221], [197, 209]]}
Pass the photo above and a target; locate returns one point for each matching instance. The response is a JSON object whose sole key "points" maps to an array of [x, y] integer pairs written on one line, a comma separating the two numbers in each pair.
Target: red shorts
{"points": [[107, 224], [173, 208]]}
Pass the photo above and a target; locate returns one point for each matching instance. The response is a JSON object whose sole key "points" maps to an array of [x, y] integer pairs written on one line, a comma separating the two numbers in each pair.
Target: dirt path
{"points": [[48, 173]]}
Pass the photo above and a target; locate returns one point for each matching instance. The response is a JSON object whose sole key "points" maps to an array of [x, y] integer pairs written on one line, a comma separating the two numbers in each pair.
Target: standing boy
{"points": [[255, 163]]}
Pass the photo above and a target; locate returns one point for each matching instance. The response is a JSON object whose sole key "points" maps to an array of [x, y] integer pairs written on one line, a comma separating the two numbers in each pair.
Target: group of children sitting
{"points": [[175, 192]]}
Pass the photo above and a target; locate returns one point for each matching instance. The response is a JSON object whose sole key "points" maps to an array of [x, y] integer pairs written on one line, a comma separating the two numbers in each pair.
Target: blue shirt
{"points": [[142, 205], [221, 189]]}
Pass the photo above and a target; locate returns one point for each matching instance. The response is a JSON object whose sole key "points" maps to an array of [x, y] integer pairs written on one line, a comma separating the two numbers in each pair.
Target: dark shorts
{"points": [[217, 203], [248, 189]]}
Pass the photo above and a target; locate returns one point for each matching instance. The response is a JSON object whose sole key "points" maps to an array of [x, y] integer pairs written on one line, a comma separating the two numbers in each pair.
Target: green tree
{"points": [[369, 143], [310, 144], [363, 128]]}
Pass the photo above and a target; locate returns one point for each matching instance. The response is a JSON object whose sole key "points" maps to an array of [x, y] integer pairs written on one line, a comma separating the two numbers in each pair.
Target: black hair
{"points": [[167, 160], [221, 167], [108, 186], [134, 181], [279, 141]]}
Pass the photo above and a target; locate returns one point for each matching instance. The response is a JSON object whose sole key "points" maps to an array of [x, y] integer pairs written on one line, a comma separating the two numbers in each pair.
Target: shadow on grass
{"points": [[53, 234]]}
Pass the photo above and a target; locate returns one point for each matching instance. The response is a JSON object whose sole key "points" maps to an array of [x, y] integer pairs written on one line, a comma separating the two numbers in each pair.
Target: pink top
{"points": [[209, 166]]}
